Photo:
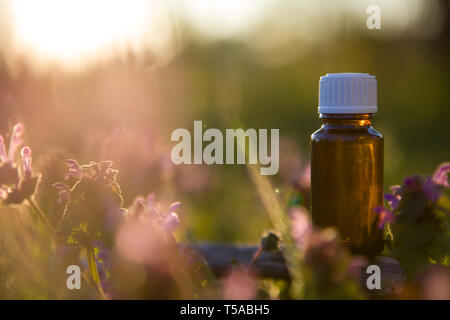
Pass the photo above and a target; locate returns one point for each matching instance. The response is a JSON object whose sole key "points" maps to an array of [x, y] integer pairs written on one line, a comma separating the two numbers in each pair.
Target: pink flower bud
{"points": [[3, 155], [74, 170], [16, 140], [440, 176], [64, 191], [26, 159], [170, 222], [385, 216]]}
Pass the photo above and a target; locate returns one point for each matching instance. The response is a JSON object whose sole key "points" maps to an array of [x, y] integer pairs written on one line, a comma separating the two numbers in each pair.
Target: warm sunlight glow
{"points": [[72, 29], [223, 18]]}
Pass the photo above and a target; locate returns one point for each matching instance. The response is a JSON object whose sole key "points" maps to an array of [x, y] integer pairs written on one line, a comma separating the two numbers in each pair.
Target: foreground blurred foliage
{"points": [[93, 200], [132, 253]]}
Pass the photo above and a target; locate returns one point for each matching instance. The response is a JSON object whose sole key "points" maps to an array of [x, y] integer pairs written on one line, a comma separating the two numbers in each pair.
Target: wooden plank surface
{"points": [[272, 265]]}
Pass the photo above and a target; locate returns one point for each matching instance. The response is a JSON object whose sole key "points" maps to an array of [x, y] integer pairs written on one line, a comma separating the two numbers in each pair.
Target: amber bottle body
{"points": [[347, 179]]}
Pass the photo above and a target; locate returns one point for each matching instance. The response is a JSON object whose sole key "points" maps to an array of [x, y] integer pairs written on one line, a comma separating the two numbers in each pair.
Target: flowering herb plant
{"points": [[132, 252], [417, 220], [16, 181]]}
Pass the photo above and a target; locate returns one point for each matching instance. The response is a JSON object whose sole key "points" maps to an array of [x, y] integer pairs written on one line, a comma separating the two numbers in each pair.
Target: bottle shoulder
{"points": [[326, 132]]}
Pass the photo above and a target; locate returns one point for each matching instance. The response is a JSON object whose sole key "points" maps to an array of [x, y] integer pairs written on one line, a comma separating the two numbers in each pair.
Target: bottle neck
{"points": [[358, 120]]}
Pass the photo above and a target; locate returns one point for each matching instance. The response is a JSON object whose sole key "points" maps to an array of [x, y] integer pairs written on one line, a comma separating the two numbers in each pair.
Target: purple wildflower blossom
{"points": [[26, 159], [3, 155], [174, 206], [16, 184], [355, 266], [151, 200], [16, 140], [301, 226], [385, 216], [240, 285], [440, 176], [170, 221], [431, 190], [410, 184], [150, 210], [74, 170], [142, 237], [64, 191], [393, 200], [138, 206], [153, 209]]}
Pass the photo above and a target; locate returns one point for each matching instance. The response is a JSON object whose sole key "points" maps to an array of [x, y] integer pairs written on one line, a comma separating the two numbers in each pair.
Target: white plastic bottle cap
{"points": [[348, 93]]}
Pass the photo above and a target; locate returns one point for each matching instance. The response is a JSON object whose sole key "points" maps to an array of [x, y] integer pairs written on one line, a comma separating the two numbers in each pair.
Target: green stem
{"points": [[281, 222], [43, 217], [94, 280], [92, 266]]}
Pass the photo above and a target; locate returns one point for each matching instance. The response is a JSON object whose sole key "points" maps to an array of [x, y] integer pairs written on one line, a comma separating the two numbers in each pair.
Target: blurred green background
{"points": [[227, 63]]}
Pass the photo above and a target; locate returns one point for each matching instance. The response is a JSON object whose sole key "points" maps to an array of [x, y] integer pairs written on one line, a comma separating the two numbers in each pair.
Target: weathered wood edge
{"points": [[219, 257]]}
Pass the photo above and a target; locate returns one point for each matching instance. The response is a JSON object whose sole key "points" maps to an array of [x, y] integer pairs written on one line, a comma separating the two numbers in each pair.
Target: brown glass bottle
{"points": [[347, 179]]}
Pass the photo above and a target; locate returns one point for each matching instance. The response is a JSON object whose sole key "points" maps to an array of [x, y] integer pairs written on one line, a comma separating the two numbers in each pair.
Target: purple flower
{"points": [[153, 208], [355, 266], [385, 216], [393, 200], [143, 241], [16, 140], [174, 206], [431, 190], [151, 200], [138, 206], [26, 160], [64, 191], [3, 155], [440, 176], [16, 184], [144, 208], [150, 211], [74, 170], [410, 183], [240, 285], [170, 221], [301, 227]]}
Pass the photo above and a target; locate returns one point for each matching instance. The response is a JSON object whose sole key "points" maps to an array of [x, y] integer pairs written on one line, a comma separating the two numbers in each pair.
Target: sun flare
{"points": [[73, 29]]}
